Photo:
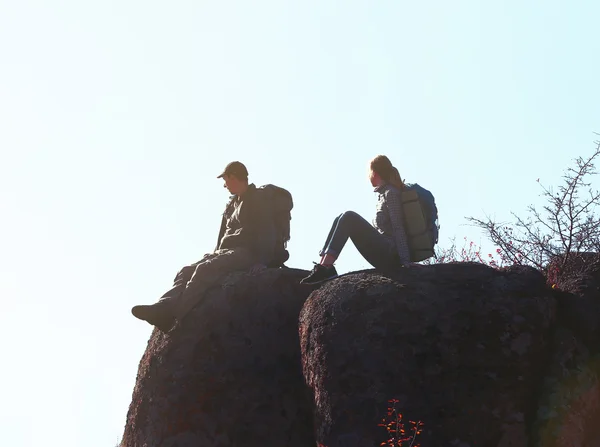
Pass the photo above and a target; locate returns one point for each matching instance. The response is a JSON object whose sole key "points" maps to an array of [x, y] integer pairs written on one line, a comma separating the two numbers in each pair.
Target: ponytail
{"points": [[383, 166], [395, 179]]}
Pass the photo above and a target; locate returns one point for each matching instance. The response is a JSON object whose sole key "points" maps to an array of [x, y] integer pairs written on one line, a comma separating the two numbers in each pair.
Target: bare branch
{"points": [[566, 224]]}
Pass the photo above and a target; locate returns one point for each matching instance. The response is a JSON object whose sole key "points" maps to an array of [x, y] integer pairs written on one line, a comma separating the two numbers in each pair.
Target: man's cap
{"points": [[235, 168]]}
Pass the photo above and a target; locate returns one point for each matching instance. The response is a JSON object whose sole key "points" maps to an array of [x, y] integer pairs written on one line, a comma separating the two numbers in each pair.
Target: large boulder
{"points": [[462, 348], [569, 407], [579, 276], [230, 373], [483, 357]]}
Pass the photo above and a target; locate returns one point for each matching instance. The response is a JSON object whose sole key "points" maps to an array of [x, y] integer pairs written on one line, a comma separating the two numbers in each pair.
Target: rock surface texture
{"points": [[569, 408], [230, 374], [462, 347], [482, 357]]}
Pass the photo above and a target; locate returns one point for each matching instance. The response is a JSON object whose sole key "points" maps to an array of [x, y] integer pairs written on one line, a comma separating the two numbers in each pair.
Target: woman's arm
{"points": [[393, 202]]}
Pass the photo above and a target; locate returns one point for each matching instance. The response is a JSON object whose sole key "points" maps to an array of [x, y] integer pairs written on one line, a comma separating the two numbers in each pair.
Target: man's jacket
{"points": [[247, 222]]}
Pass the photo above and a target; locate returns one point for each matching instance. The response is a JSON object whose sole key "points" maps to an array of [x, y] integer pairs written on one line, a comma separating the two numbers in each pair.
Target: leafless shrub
{"points": [[566, 225]]}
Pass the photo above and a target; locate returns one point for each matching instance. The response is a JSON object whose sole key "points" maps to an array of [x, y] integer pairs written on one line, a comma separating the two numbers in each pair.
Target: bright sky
{"points": [[116, 117]]}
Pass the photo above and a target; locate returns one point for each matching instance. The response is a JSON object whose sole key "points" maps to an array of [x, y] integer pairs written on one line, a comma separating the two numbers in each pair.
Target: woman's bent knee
{"points": [[349, 215]]}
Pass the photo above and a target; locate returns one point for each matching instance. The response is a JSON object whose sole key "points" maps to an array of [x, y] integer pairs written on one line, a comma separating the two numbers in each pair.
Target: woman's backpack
{"points": [[420, 221]]}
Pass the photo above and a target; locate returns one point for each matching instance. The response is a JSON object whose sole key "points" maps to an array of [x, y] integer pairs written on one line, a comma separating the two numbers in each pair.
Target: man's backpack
{"points": [[281, 204], [421, 221]]}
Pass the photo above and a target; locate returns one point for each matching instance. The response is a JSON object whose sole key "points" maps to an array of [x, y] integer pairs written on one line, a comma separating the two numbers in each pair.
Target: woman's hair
{"points": [[383, 166]]}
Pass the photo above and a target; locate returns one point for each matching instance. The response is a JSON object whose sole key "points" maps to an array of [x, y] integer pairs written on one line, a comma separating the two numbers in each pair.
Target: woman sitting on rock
{"points": [[382, 244]]}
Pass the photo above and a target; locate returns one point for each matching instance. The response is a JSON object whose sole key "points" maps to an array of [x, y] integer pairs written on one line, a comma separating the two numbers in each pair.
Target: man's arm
{"points": [[221, 232]]}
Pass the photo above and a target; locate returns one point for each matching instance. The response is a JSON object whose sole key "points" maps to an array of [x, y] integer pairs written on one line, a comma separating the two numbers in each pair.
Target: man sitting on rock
{"points": [[247, 240]]}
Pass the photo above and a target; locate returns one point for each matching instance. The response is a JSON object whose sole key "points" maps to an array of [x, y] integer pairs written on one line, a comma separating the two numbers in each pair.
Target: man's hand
{"points": [[257, 268]]}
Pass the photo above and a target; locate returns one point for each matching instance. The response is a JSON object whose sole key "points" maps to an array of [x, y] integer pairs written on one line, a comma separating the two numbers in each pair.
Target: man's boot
{"points": [[157, 314]]}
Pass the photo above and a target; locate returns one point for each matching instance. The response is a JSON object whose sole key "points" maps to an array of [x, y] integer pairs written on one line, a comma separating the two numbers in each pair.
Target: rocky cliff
{"points": [[230, 374], [480, 356]]}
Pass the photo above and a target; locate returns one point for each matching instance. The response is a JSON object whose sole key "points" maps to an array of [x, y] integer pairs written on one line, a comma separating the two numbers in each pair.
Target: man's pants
{"points": [[194, 280]]}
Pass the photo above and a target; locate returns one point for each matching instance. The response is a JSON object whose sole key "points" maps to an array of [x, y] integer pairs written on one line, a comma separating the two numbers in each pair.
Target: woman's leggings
{"points": [[376, 248]]}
